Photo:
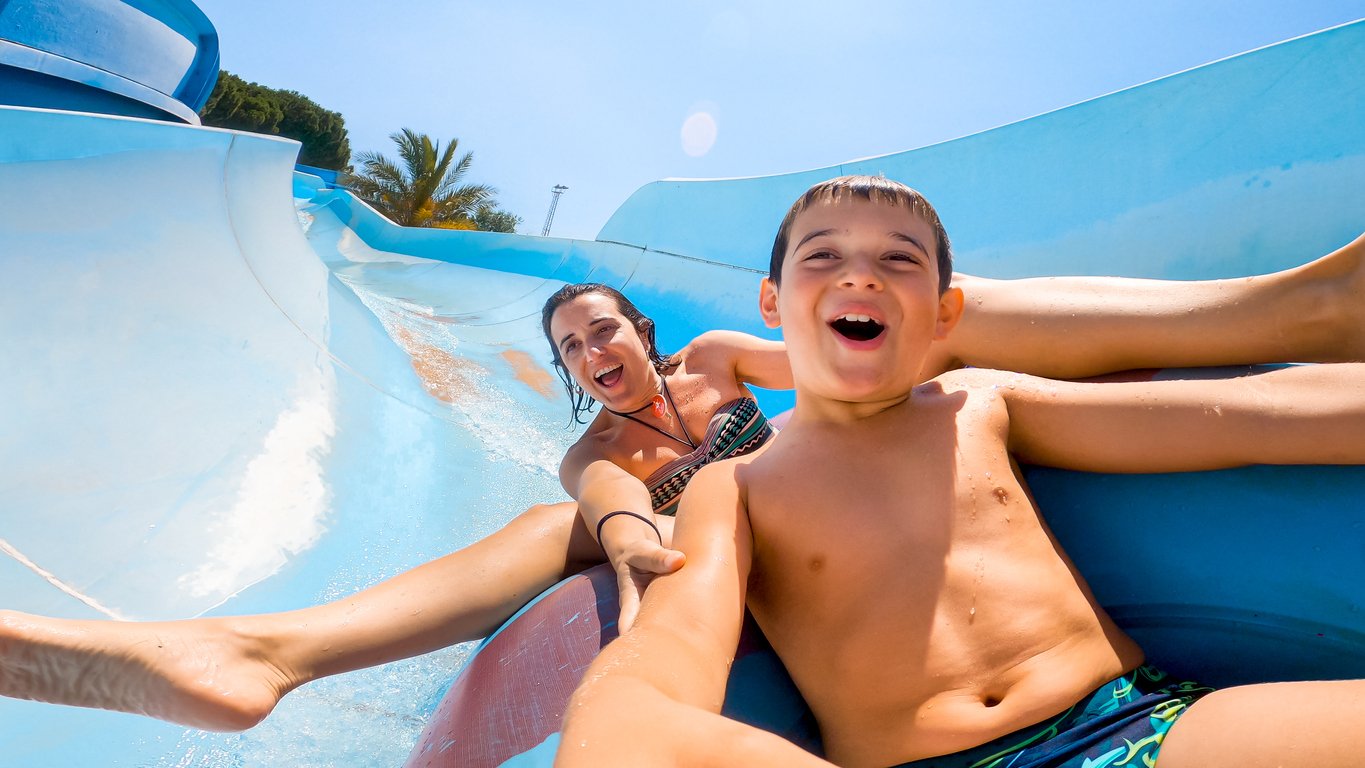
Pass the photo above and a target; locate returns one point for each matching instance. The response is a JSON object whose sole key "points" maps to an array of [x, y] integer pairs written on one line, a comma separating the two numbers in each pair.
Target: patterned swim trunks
{"points": [[1121, 724]]}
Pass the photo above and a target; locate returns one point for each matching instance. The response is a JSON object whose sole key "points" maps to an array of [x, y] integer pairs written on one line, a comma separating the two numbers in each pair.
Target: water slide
{"points": [[232, 389]]}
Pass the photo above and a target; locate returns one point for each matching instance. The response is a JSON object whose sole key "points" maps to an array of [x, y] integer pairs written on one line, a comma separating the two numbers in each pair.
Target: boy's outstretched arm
{"points": [[1313, 414], [654, 695]]}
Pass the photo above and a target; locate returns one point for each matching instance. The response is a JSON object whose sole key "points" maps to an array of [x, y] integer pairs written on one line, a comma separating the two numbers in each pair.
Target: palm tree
{"points": [[423, 190]]}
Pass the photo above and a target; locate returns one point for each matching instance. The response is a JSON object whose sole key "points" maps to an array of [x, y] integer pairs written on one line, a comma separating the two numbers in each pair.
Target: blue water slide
{"points": [[232, 389], [142, 58]]}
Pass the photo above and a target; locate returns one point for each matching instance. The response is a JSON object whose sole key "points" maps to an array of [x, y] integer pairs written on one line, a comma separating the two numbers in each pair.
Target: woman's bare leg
{"points": [[1290, 725], [228, 673], [1069, 327]]}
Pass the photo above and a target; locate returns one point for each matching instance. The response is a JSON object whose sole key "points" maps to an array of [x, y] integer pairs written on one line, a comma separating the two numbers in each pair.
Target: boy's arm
{"points": [[1311, 414], [653, 696]]}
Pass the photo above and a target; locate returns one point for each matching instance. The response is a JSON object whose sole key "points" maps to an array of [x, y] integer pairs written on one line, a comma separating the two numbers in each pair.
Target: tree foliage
{"points": [[240, 105], [491, 219], [422, 188]]}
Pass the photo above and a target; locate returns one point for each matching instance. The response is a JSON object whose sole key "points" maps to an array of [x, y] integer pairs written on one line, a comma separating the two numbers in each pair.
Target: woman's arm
{"points": [[1309, 414], [752, 360], [653, 697], [633, 543]]}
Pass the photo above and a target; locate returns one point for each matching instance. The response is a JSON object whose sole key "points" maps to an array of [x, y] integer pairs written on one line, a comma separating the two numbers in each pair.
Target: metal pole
{"points": [[557, 190]]}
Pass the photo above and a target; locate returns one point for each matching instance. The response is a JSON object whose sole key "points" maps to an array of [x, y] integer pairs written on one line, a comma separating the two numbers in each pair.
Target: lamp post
{"points": [[556, 191]]}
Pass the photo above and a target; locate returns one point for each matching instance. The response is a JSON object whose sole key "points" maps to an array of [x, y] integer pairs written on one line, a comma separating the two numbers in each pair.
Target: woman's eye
{"points": [[571, 346], [606, 329]]}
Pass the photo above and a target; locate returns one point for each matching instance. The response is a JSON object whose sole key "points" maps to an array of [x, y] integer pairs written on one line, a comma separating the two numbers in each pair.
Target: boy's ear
{"points": [[949, 312], [767, 303]]}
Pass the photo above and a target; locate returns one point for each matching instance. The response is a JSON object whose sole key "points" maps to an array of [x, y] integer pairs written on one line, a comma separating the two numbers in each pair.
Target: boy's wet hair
{"points": [[581, 402], [876, 189]]}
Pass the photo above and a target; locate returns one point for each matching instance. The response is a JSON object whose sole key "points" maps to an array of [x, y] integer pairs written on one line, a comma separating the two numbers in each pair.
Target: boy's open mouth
{"points": [[857, 327]]}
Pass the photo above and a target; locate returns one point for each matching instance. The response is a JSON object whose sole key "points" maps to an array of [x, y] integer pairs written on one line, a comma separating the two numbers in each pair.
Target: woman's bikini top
{"points": [[737, 428]]}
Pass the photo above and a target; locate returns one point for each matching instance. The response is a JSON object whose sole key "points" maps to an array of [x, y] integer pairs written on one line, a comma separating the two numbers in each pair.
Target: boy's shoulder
{"points": [[732, 469], [720, 481], [987, 379], [981, 386], [976, 395]]}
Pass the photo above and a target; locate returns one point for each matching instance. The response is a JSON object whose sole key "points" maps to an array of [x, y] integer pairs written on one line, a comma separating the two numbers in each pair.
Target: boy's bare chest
{"points": [[828, 514]]}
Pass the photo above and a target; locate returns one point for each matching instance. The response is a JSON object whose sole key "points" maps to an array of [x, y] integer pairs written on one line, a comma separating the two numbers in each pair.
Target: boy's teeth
{"points": [[857, 318]]}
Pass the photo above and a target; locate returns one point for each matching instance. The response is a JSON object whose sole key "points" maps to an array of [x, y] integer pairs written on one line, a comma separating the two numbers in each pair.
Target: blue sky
{"points": [[606, 97]]}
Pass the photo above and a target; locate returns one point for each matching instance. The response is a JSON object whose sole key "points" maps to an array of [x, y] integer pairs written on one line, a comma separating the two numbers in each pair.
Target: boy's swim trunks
{"points": [[1121, 724]]}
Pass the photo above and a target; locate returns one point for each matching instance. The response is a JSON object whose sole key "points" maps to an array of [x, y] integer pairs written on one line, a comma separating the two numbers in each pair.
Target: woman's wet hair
{"points": [[581, 401], [876, 189]]}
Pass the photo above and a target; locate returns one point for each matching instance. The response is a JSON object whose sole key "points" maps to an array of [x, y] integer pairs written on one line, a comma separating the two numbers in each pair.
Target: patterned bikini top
{"points": [[737, 428]]}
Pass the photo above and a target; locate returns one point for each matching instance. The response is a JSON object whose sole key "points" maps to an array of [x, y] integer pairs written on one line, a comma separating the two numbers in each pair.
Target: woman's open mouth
{"points": [[608, 376]]}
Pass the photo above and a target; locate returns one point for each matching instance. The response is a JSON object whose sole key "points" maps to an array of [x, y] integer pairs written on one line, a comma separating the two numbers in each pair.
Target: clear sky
{"points": [[605, 97]]}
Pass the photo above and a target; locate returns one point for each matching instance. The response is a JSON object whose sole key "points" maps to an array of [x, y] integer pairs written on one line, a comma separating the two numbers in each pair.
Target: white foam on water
{"points": [[282, 500]]}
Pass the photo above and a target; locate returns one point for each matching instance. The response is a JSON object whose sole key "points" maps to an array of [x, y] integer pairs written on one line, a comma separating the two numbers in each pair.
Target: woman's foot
{"points": [[1330, 305], [203, 673]]}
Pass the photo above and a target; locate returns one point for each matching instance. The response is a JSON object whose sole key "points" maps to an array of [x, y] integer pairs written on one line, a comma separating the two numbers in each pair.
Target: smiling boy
{"points": [[888, 547]]}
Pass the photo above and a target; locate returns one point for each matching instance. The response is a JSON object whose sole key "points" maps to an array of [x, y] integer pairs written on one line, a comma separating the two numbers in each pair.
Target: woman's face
{"points": [[603, 352]]}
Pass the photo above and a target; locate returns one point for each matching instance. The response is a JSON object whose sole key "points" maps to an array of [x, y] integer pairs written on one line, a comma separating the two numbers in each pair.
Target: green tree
{"points": [[243, 106], [491, 219], [423, 189]]}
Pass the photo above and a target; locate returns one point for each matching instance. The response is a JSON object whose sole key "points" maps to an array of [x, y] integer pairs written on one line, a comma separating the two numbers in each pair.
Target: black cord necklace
{"points": [[657, 404]]}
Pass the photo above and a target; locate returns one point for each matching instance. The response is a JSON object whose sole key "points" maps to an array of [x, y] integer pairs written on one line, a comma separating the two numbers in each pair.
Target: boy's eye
{"points": [[820, 255], [903, 257]]}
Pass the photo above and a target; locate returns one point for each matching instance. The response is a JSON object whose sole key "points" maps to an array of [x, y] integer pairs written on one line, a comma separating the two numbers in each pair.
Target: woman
{"points": [[632, 462]]}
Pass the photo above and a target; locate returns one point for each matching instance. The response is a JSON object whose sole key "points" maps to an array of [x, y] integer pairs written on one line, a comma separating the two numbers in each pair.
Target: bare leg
{"points": [[228, 673], [1069, 327], [1312, 725]]}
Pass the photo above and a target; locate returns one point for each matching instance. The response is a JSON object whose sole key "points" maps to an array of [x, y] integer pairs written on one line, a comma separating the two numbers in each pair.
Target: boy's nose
{"points": [[859, 274]]}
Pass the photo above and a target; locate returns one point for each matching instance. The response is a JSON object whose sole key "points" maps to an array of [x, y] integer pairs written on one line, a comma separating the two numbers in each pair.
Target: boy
{"points": [[888, 548]]}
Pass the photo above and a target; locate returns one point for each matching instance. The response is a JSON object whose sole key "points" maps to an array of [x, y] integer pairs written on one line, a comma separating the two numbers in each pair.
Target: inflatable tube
{"points": [[508, 701]]}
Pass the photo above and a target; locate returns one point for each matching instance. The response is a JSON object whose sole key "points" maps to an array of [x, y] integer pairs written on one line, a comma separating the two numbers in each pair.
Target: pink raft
{"points": [[507, 704]]}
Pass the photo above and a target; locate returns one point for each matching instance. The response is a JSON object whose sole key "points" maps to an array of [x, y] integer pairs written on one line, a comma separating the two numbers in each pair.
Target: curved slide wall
{"points": [[202, 418], [142, 58]]}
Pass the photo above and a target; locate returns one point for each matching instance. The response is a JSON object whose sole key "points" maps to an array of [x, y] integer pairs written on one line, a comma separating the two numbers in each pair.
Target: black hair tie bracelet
{"points": [[635, 515]]}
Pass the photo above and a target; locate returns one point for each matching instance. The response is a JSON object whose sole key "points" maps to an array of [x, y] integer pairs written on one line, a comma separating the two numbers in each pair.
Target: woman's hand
{"points": [[636, 565]]}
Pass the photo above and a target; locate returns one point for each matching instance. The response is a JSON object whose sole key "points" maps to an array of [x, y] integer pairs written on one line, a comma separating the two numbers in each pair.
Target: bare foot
{"points": [[1332, 304], [202, 673]]}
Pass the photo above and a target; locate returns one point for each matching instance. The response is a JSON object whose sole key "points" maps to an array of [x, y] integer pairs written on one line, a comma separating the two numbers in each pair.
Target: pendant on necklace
{"points": [[659, 408]]}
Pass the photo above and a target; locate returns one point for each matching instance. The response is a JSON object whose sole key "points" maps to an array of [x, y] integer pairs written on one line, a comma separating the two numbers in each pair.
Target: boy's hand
{"points": [[636, 566]]}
